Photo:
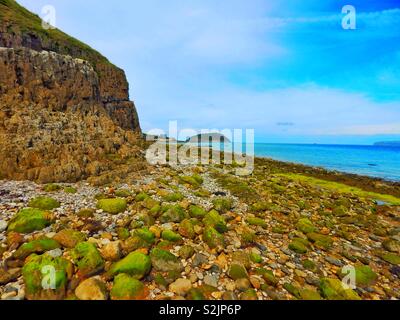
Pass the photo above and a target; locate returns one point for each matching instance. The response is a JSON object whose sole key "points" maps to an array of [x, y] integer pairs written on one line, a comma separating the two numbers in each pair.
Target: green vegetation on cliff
{"points": [[20, 21]]}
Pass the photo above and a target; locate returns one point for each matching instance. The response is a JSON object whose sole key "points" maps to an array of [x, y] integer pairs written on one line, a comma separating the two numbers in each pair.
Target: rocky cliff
{"points": [[65, 112]]}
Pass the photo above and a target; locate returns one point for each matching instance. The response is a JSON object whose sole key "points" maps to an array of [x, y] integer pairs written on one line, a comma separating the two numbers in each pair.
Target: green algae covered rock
{"points": [[186, 229], [136, 265], [391, 258], [29, 220], [171, 236], [334, 289], [292, 289], [126, 287], [112, 206], [51, 187], [195, 180], [87, 258], [197, 212], [222, 205], [213, 238], [299, 245], [307, 294], [35, 246], [305, 226], [249, 295], [321, 241], [237, 271], [173, 197], [70, 190], [123, 193], [173, 214], [165, 261], [141, 196], [40, 281], [44, 203], [69, 238], [215, 220], [256, 222], [364, 275], [146, 235]]}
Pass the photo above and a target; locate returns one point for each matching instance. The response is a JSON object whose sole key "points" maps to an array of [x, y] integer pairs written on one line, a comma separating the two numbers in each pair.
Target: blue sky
{"points": [[284, 68]]}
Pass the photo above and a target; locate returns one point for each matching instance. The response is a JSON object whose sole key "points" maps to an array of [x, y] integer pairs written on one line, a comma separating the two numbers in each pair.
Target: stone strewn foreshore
{"points": [[196, 233]]}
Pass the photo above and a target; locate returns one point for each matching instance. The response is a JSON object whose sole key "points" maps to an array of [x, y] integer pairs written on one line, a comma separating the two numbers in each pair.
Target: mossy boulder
{"points": [[70, 190], [173, 197], [141, 196], [44, 203], [256, 222], [69, 238], [260, 206], [126, 287], [29, 220], [270, 278], [123, 233], [141, 238], [365, 276], [186, 229], [255, 257], [222, 205], [40, 282], [171, 236], [197, 212], [52, 187], [150, 203], [86, 213], [173, 214], [391, 245], [123, 193], [36, 246], [186, 252], [136, 265], [309, 265], [340, 211], [146, 235], [215, 220], [249, 295], [195, 180], [299, 245], [195, 294], [213, 238], [237, 271], [321, 241], [307, 294], [165, 261], [292, 289], [305, 226], [112, 206], [391, 258], [334, 289], [87, 258]]}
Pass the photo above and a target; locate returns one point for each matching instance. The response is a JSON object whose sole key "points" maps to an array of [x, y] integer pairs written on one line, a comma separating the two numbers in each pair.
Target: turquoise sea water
{"points": [[381, 162]]}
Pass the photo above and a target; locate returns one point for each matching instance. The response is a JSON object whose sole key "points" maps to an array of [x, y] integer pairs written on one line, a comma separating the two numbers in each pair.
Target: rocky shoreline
{"points": [[197, 232]]}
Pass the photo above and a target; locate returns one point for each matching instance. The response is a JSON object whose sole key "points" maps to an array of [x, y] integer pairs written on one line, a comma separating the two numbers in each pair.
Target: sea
{"points": [[373, 161]]}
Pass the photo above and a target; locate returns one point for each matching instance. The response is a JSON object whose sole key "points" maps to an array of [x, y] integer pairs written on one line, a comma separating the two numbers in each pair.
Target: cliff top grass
{"points": [[341, 188], [18, 19]]}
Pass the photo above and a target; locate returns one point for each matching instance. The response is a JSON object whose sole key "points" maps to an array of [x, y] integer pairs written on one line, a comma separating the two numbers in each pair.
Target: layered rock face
{"points": [[64, 109]]}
